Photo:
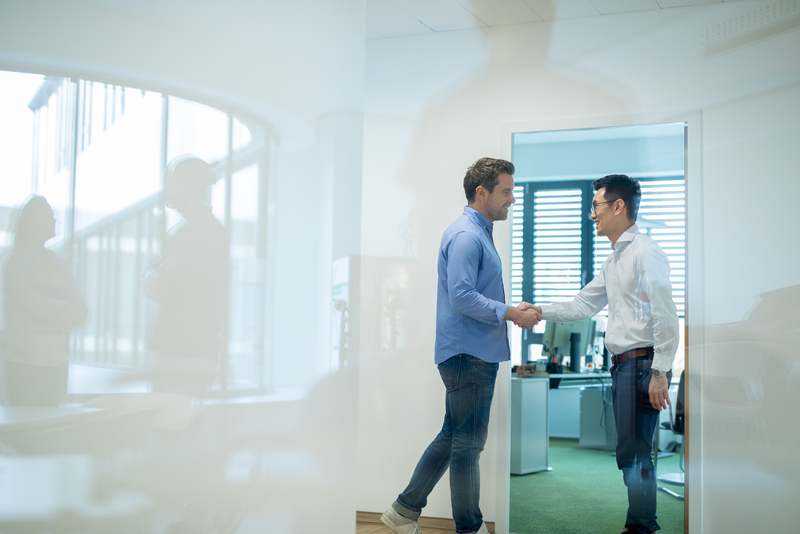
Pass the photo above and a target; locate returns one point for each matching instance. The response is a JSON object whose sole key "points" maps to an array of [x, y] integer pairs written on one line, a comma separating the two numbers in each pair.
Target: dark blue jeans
{"points": [[470, 388], [636, 421]]}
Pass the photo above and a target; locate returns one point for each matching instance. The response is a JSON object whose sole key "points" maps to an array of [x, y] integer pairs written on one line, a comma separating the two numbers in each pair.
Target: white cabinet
{"points": [[530, 439]]}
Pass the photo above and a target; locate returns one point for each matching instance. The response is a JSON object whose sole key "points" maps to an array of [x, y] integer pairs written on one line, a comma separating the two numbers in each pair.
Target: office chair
{"points": [[676, 425]]}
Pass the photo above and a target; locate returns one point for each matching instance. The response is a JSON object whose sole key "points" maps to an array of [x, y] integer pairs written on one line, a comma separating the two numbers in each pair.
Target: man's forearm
{"points": [[473, 304]]}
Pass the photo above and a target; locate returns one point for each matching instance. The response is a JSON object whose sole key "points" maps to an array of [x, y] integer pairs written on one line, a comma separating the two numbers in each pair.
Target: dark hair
{"points": [[620, 186], [485, 172], [26, 219], [194, 170]]}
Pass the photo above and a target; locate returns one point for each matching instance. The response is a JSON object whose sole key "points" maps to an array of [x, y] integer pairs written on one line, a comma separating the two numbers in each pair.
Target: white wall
{"points": [[436, 103], [295, 68]]}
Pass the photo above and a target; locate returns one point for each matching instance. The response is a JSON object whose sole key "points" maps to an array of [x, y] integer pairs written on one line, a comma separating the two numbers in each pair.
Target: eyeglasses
{"points": [[596, 204]]}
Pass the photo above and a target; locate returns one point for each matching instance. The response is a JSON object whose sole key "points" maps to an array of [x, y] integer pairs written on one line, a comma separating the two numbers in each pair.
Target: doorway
{"points": [[555, 252]]}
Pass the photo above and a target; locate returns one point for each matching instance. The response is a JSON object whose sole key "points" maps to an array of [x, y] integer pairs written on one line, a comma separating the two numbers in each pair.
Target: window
{"points": [[96, 152]]}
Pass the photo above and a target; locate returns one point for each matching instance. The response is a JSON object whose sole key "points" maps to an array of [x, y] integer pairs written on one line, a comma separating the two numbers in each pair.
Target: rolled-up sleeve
{"points": [[654, 270], [463, 264]]}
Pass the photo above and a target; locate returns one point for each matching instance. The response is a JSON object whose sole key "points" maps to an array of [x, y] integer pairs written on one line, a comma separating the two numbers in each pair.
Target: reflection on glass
{"points": [[172, 415], [196, 129], [41, 304], [53, 108], [118, 150], [242, 136], [245, 347], [16, 150], [189, 282]]}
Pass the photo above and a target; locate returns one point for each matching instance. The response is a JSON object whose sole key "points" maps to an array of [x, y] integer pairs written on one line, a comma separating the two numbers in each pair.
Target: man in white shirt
{"points": [[641, 335]]}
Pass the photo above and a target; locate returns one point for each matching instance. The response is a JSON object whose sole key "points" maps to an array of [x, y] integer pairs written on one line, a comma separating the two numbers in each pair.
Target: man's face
{"points": [[501, 198], [603, 213]]}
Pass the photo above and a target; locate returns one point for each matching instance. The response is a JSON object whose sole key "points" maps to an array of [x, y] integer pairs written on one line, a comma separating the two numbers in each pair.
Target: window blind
{"points": [[557, 246]]}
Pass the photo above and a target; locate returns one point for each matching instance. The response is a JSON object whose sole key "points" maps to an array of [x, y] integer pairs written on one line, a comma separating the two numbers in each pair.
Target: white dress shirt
{"points": [[634, 282]]}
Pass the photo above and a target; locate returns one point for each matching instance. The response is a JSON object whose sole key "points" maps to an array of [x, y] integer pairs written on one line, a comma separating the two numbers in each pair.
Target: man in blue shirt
{"points": [[471, 339]]}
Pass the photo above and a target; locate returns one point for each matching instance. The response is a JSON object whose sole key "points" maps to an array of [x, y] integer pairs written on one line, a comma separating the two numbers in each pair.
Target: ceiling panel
{"points": [[501, 12], [682, 3], [607, 7], [565, 9], [371, 34], [441, 15], [393, 18], [387, 19]]}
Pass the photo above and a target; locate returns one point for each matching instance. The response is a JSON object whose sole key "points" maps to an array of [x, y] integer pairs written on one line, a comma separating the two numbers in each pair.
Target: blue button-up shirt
{"points": [[470, 303]]}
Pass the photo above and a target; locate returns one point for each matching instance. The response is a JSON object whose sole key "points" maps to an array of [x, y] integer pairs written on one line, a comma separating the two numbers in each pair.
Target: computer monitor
{"points": [[557, 340]]}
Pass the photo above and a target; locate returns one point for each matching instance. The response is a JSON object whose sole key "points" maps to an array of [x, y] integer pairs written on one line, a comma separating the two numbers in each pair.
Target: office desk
{"points": [[579, 379], [37, 430], [16, 419], [565, 400], [580, 407]]}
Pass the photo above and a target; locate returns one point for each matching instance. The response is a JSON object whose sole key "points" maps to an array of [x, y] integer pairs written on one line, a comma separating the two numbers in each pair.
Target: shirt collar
{"points": [[478, 218], [626, 237]]}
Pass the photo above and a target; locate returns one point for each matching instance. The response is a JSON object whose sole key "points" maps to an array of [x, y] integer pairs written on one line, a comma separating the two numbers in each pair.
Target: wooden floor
{"points": [[372, 528], [370, 523]]}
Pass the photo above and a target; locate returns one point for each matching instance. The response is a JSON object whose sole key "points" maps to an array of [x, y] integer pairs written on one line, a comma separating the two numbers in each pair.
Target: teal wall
{"points": [[595, 158]]}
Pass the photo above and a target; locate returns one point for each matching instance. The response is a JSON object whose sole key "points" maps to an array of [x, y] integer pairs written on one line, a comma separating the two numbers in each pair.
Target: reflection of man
{"points": [[189, 283], [471, 339], [642, 335]]}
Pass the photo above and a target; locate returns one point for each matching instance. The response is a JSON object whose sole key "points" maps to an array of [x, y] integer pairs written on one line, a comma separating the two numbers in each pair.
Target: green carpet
{"points": [[583, 493]]}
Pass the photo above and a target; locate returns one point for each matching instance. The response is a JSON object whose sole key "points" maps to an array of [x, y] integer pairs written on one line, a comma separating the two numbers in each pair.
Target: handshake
{"points": [[525, 316]]}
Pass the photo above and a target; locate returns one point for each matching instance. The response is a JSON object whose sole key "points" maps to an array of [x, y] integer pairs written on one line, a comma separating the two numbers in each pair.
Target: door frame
{"points": [[694, 312]]}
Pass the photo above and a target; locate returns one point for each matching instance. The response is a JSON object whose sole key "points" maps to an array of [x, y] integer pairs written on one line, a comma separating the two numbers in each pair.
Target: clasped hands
{"points": [[525, 315]]}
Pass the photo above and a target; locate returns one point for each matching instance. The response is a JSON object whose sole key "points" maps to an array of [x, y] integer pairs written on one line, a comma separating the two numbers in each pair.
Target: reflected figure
{"points": [[189, 283], [41, 304], [750, 372]]}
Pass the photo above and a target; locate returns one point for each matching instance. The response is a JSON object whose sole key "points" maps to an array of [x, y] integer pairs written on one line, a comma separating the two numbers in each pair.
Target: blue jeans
{"points": [[636, 421], [470, 388]]}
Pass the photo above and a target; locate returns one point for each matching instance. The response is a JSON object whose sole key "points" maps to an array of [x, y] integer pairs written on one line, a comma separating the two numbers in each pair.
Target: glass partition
{"points": [[96, 153]]}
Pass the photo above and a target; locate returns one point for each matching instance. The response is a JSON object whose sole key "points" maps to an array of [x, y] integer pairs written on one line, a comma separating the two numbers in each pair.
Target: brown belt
{"points": [[635, 353]]}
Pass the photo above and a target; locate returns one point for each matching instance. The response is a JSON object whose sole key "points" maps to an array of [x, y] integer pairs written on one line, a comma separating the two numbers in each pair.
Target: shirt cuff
{"points": [[662, 363], [547, 312], [502, 311]]}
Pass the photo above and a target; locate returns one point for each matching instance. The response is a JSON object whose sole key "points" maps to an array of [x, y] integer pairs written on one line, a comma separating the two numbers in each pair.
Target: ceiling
{"points": [[395, 18]]}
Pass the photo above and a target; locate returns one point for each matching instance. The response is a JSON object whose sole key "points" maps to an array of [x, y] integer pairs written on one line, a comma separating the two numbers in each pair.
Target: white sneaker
{"points": [[400, 524], [483, 529]]}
